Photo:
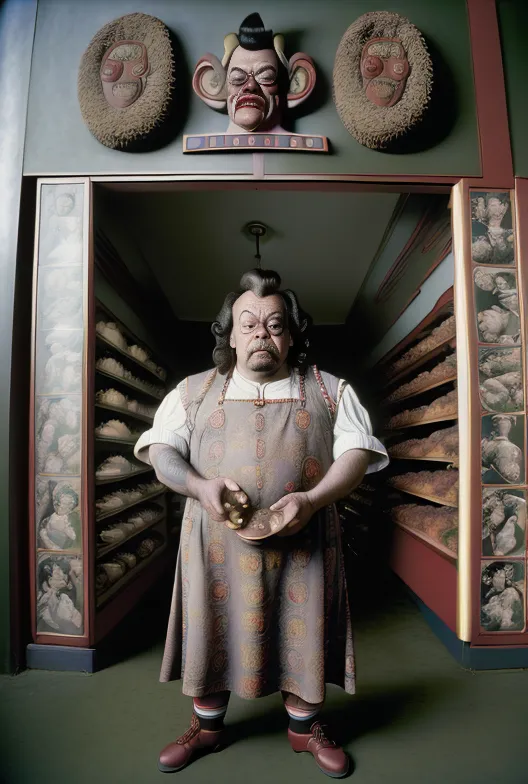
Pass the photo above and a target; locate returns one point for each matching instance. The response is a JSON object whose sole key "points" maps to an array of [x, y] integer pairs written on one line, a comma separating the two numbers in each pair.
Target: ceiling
{"points": [[322, 244]]}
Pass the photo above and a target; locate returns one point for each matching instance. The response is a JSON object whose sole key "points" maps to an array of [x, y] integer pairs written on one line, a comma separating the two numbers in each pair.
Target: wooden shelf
{"points": [[116, 441], [129, 577], [108, 616], [417, 392], [117, 410], [422, 422], [122, 508], [108, 548], [129, 384], [450, 460], [433, 498], [445, 551], [135, 340], [432, 354], [133, 361], [121, 478]]}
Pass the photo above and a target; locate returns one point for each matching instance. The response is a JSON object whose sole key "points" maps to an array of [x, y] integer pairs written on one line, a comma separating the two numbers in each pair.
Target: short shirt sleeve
{"points": [[353, 430], [169, 426]]}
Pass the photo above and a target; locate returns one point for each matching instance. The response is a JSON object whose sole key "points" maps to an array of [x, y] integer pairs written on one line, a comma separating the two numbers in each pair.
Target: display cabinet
{"points": [[99, 534], [453, 403]]}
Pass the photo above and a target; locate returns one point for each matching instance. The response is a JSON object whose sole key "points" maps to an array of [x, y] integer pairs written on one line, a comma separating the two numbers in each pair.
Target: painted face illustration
{"points": [[124, 72], [384, 68]]}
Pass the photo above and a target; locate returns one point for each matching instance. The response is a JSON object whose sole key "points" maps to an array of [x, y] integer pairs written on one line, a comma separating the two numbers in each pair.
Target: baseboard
{"points": [[65, 658], [473, 657]]}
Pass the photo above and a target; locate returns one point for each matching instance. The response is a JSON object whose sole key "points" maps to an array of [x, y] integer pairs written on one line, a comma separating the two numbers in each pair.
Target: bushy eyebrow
{"points": [[250, 313]]}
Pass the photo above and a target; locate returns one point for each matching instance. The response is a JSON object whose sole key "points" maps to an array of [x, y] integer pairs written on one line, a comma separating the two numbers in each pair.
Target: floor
{"points": [[417, 718]]}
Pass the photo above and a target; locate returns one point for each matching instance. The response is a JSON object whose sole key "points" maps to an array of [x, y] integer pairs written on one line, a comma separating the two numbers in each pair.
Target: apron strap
{"points": [[330, 402]]}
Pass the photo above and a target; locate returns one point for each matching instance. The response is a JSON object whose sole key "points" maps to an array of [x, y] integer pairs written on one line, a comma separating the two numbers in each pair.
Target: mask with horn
{"points": [[254, 79]]}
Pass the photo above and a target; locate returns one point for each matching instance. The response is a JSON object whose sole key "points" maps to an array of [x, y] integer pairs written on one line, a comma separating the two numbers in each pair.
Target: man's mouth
{"points": [[250, 102], [261, 349]]}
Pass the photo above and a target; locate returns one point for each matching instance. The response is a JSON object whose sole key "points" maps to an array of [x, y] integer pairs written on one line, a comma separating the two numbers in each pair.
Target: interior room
{"points": [[375, 272]]}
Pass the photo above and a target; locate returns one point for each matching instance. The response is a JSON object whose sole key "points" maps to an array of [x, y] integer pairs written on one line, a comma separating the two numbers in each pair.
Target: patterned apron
{"points": [[256, 619]]}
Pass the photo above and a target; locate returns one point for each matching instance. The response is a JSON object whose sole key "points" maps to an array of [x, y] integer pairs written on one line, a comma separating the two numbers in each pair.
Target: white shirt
{"points": [[352, 427]]}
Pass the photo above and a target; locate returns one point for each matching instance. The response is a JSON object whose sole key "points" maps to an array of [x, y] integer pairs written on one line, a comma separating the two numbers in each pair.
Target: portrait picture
{"points": [[59, 594], [503, 522], [61, 225], [492, 239], [497, 306], [502, 596], [501, 379], [60, 299], [57, 515], [59, 355], [58, 435], [502, 449]]}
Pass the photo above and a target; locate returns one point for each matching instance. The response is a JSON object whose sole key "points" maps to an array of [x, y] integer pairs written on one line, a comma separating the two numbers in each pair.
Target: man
{"points": [[256, 619]]}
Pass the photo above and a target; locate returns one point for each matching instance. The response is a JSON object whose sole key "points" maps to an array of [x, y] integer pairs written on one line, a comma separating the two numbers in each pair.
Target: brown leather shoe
{"points": [[330, 757], [180, 752]]}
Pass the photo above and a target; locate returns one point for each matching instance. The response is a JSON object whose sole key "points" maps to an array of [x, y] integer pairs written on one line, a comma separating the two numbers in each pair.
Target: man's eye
{"points": [[275, 327]]}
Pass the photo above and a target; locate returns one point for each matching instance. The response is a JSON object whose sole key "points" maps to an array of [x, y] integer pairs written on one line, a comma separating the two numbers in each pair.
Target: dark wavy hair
{"points": [[262, 283]]}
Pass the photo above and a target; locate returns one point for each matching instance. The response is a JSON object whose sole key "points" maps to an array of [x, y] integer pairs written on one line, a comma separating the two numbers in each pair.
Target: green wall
{"points": [[58, 141], [513, 21], [17, 26]]}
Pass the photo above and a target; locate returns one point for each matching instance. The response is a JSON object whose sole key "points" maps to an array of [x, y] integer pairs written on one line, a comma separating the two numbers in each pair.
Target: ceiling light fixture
{"points": [[256, 230]]}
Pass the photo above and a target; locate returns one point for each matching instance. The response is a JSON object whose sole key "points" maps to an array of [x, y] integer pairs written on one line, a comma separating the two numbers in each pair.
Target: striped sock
{"points": [[211, 710], [302, 714]]}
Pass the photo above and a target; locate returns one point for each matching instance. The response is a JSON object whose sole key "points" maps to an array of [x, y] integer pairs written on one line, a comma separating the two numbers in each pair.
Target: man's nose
{"points": [[262, 332], [251, 85]]}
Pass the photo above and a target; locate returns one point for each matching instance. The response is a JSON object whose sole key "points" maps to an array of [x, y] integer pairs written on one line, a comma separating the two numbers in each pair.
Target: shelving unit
{"points": [[103, 550], [124, 507], [110, 551], [125, 412], [125, 356], [433, 498], [417, 556], [420, 391], [115, 479], [129, 385], [64, 439], [133, 574]]}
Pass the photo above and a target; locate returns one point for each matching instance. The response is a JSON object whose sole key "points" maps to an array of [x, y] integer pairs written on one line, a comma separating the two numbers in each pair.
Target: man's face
{"points": [[65, 505], [64, 204], [503, 427], [260, 334], [58, 579], [252, 87], [384, 68], [499, 580], [124, 72]]}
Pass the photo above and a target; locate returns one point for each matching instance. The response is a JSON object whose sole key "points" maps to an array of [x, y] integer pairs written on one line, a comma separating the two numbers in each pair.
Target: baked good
{"points": [[433, 521], [444, 371], [439, 335], [443, 407], [440, 444], [437, 485]]}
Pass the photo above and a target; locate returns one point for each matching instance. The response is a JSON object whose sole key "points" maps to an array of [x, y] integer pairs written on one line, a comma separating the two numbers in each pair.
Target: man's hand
{"points": [[214, 496], [297, 510]]}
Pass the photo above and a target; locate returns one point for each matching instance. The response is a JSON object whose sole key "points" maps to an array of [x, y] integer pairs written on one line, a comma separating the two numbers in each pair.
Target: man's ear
{"points": [[291, 341], [231, 340]]}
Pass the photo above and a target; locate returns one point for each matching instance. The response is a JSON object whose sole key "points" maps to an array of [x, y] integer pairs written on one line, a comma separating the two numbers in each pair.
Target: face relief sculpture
{"points": [[254, 81], [384, 68], [124, 72], [252, 88]]}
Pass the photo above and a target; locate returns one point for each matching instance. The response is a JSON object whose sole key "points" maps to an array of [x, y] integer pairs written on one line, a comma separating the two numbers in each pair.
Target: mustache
{"points": [[264, 345]]}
